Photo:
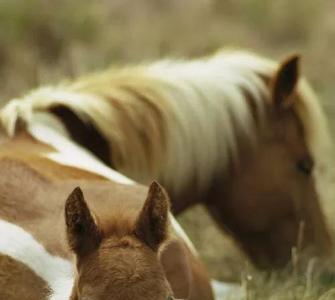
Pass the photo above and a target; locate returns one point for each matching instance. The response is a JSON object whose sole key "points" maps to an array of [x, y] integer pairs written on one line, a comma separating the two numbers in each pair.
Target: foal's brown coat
{"points": [[119, 235]]}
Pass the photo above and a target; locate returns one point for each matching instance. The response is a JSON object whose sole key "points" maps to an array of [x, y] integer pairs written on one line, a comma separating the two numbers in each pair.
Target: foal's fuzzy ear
{"points": [[152, 224], [285, 82], [82, 232]]}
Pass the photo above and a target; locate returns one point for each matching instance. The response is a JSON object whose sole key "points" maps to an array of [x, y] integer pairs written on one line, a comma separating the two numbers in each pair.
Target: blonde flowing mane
{"points": [[174, 119]]}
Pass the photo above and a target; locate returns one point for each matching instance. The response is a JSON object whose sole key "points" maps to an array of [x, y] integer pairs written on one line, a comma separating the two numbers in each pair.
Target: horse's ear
{"points": [[152, 224], [285, 82], [82, 232]]}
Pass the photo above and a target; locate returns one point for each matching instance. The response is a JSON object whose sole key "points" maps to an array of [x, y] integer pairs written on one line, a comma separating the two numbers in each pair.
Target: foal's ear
{"points": [[152, 224], [82, 232], [285, 82]]}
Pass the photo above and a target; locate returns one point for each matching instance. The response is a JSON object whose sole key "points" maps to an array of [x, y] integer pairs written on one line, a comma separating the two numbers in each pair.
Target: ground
{"points": [[45, 41]]}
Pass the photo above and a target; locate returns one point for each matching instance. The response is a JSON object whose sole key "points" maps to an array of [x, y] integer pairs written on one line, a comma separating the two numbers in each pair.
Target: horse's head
{"points": [[119, 267], [271, 201]]}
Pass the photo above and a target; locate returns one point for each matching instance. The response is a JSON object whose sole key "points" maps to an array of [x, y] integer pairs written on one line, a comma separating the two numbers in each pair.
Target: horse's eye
{"points": [[305, 166]]}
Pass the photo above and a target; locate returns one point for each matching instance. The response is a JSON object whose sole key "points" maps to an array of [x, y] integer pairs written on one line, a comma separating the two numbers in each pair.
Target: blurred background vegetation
{"points": [[45, 41]]}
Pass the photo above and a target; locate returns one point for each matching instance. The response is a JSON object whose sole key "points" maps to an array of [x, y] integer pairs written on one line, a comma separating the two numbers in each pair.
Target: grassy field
{"points": [[45, 41]]}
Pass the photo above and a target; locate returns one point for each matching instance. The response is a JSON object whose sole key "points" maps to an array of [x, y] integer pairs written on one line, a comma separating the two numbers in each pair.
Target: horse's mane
{"points": [[185, 115]]}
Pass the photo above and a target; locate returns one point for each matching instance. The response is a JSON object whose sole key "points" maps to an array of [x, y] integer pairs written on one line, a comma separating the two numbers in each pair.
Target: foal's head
{"points": [[272, 193], [119, 267]]}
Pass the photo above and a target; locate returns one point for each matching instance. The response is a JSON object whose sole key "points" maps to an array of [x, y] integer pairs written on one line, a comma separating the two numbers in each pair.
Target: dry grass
{"points": [[287, 286], [44, 41]]}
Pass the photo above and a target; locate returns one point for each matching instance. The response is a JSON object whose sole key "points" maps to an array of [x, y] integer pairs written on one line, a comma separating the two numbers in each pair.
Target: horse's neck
{"points": [[152, 125], [178, 122]]}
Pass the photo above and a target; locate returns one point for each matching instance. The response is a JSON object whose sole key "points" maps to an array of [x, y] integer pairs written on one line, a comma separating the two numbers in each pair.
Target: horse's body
{"points": [[39, 168], [233, 131]]}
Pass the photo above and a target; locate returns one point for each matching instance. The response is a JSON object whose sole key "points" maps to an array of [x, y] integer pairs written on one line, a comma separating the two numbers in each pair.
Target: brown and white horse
{"points": [[236, 132], [126, 244]]}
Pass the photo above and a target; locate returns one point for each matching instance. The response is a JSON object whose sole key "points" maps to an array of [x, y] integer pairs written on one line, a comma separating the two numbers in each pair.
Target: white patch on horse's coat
{"points": [[69, 154], [21, 246]]}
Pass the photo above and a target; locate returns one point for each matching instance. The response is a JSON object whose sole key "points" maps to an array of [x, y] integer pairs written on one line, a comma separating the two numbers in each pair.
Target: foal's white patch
{"points": [[21, 246]]}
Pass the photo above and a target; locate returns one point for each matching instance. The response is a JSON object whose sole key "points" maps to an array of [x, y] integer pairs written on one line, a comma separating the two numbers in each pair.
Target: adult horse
{"points": [[234, 131], [126, 245]]}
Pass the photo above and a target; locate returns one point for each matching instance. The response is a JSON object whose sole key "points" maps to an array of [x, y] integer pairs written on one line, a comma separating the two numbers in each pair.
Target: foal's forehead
{"points": [[123, 253], [118, 269], [118, 242]]}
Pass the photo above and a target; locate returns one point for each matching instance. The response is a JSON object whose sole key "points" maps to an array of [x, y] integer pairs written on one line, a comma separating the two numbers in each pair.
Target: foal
{"points": [[117, 252]]}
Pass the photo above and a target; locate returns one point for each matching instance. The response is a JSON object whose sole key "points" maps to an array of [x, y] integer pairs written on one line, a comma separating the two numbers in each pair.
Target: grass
{"points": [[287, 284], [45, 41]]}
